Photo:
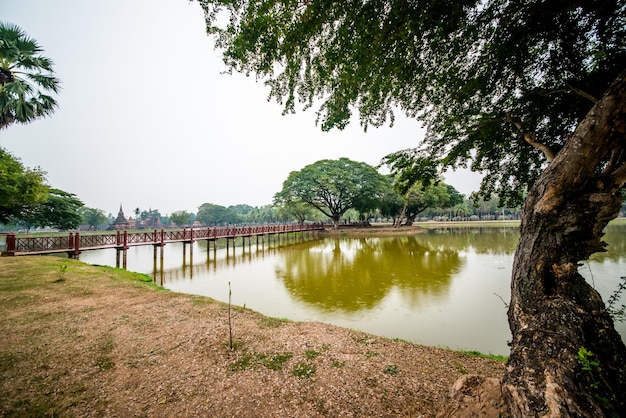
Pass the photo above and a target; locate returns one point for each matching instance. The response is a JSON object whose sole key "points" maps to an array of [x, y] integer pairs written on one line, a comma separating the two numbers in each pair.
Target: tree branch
{"points": [[583, 94], [614, 161], [573, 89], [619, 175], [529, 137], [547, 151]]}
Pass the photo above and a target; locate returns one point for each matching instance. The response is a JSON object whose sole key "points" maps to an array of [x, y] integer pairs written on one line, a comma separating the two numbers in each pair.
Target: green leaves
{"points": [[211, 214], [332, 186], [93, 217], [25, 78], [467, 69], [61, 210], [410, 167], [180, 218], [20, 187]]}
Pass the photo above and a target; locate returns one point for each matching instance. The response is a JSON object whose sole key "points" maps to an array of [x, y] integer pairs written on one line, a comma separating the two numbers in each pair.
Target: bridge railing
{"points": [[74, 242], [97, 240], [35, 244], [139, 237], [183, 235]]}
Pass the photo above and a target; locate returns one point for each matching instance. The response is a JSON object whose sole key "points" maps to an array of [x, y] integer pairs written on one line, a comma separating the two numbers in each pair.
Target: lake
{"points": [[446, 287]]}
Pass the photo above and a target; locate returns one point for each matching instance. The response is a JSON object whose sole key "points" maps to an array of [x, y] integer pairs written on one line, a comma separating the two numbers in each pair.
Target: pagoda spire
{"points": [[120, 222]]}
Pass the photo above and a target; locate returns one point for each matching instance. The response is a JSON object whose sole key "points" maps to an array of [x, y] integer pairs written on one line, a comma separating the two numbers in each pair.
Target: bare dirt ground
{"points": [[87, 341]]}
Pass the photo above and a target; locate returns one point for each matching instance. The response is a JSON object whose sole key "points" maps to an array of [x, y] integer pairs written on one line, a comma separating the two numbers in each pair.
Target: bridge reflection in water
{"points": [[237, 250]]}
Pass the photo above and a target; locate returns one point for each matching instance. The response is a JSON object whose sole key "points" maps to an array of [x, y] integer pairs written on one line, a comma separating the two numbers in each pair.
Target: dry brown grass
{"points": [[80, 340]]}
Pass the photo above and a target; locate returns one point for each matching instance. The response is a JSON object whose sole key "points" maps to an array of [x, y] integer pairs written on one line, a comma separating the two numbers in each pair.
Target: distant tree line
{"points": [[335, 191]]}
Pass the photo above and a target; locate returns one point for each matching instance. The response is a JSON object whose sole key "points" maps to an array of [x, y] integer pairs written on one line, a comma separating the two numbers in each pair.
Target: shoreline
{"points": [[387, 229]]}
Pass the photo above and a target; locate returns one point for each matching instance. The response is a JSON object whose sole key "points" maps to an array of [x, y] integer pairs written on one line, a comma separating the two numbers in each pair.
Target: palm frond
{"points": [[28, 78]]}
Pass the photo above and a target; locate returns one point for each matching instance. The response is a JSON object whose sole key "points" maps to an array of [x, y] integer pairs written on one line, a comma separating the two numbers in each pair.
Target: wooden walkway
{"points": [[74, 243]]}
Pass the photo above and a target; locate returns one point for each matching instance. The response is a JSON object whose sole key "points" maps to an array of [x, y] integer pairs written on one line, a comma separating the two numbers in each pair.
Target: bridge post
{"points": [[191, 261], [125, 241], [154, 260], [161, 272], [9, 248], [76, 244], [162, 238]]}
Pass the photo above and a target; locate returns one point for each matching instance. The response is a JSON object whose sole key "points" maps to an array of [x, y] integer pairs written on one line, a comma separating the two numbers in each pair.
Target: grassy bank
{"points": [[81, 340]]}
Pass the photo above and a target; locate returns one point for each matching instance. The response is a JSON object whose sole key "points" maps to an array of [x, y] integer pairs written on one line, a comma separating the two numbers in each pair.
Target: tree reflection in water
{"points": [[354, 274]]}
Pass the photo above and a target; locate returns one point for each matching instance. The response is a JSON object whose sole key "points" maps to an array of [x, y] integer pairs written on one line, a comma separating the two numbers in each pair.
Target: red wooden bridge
{"points": [[74, 243]]}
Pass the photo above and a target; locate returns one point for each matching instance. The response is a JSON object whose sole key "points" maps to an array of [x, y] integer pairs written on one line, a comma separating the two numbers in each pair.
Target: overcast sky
{"points": [[147, 119]]}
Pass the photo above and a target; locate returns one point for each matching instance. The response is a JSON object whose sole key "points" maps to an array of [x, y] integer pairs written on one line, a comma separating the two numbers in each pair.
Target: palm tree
{"points": [[25, 78]]}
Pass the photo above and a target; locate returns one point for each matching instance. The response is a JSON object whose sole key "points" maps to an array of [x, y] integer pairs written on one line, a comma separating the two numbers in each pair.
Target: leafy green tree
{"points": [[462, 208], [391, 205], [420, 198], [295, 210], [26, 78], [93, 217], [416, 179], [331, 186], [61, 210], [150, 218], [409, 167], [486, 209], [366, 205], [242, 210], [531, 93], [211, 214], [180, 218], [264, 214], [20, 187]]}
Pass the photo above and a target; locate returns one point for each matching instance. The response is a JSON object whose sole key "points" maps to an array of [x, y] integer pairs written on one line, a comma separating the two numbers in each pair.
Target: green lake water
{"points": [[446, 287]]}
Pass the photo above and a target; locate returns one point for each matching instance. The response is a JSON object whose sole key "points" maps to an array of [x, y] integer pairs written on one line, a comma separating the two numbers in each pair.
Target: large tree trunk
{"points": [[553, 312]]}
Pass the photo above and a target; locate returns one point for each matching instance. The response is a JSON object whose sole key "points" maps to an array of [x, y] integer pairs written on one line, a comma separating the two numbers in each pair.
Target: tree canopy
{"points": [[26, 78], [61, 210], [439, 195], [93, 217], [332, 186], [20, 187], [180, 217], [298, 210], [212, 214], [494, 82]]}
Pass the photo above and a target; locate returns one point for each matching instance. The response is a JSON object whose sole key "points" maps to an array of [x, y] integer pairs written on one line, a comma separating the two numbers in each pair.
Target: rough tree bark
{"points": [[553, 311]]}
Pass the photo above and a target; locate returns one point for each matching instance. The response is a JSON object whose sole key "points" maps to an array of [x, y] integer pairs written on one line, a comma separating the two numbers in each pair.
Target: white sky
{"points": [[146, 118]]}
